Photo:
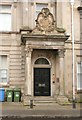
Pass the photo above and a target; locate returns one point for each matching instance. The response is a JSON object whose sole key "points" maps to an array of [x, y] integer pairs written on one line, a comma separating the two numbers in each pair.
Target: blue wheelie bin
{"points": [[2, 94]]}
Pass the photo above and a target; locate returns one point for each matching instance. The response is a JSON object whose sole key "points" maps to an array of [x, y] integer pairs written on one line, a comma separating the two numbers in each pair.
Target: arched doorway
{"points": [[42, 84]]}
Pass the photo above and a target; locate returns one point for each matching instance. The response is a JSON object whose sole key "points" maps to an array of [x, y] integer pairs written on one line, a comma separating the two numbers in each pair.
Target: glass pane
{"points": [[5, 22], [5, 8], [3, 73], [41, 61], [79, 68], [3, 62], [4, 80], [0, 80], [79, 81], [40, 6], [3, 68]]}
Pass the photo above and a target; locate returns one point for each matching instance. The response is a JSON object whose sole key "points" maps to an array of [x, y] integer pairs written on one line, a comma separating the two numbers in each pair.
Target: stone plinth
{"points": [[61, 99]]}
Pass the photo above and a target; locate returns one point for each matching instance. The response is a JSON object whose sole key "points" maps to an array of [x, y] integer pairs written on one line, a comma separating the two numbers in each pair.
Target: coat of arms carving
{"points": [[45, 20], [45, 23]]}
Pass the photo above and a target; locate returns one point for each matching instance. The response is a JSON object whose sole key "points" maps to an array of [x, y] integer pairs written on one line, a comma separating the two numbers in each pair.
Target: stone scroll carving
{"points": [[45, 23]]}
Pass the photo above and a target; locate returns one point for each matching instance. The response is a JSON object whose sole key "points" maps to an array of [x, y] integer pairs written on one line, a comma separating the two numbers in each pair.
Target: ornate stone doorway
{"points": [[44, 37]]}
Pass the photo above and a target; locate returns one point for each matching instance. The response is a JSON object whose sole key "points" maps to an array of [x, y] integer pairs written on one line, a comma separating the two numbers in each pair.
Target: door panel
{"points": [[41, 81]]}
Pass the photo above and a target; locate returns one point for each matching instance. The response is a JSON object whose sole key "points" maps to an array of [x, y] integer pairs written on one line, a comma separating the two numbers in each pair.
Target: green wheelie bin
{"points": [[17, 95], [9, 93]]}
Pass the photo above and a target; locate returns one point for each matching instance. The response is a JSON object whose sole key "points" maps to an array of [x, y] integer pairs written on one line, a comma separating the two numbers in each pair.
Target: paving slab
{"points": [[54, 110]]}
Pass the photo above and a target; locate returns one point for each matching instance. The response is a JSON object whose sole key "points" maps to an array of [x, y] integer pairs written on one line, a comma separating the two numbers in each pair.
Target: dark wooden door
{"points": [[41, 81]]}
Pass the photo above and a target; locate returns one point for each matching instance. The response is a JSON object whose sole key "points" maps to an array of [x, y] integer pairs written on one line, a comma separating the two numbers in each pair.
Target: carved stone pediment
{"points": [[45, 23]]}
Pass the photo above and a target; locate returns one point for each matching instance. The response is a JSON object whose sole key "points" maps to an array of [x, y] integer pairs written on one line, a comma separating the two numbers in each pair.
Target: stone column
{"points": [[61, 70], [62, 99], [28, 83]]}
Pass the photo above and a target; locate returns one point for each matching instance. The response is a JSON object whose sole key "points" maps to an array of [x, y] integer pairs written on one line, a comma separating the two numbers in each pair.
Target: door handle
{"points": [[41, 85]]}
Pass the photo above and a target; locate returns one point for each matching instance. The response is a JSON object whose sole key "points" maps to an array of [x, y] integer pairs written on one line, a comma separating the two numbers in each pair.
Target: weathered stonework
{"points": [[47, 39], [53, 41]]}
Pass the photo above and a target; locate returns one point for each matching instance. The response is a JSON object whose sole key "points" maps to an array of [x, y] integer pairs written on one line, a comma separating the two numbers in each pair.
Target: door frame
{"points": [[42, 66]]}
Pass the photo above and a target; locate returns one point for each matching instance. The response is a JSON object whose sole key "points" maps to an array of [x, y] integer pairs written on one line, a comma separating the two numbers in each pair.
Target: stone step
{"points": [[44, 100]]}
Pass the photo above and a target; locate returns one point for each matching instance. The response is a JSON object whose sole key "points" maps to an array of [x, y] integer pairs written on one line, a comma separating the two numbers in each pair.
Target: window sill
{"points": [[4, 85], [79, 91]]}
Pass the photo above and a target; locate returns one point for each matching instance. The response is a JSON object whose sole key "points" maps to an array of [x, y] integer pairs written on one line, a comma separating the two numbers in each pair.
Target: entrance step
{"points": [[44, 100]]}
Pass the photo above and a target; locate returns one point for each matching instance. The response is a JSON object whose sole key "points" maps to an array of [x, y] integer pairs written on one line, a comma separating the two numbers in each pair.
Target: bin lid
{"points": [[2, 89], [9, 89]]}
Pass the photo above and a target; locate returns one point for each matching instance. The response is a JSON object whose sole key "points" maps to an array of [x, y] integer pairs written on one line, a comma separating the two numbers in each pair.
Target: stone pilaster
{"points": [[61, 98], [28, 87], [61, 70], [28, 75]]}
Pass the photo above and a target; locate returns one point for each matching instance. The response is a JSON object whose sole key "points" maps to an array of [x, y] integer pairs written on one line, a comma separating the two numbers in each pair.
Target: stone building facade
{"points": [[36, 48]]}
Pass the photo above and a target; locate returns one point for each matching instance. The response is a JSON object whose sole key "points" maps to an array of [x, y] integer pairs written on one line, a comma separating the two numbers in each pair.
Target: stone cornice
{"points": [[26, 37]]}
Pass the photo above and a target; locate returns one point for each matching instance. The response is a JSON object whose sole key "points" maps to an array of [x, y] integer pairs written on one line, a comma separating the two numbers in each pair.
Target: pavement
{"points": [[54, 110]]}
